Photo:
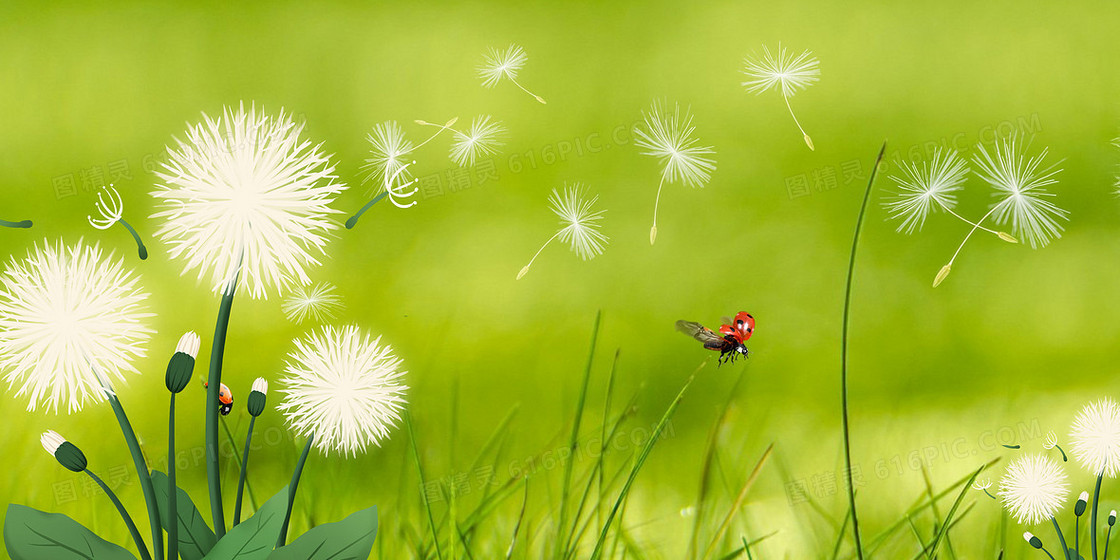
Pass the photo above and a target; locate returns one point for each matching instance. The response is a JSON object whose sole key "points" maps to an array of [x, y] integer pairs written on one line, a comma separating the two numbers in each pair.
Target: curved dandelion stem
{"points": [[990, 495], [525, 269], [214, 383], [442, 127], [1093, 520], [292, 490], [535, 96], [172, 488], [808, 140], [1107, 537], [244, 471], [961, 246], [139, 540], [1061, 537], [1064, 458], [656, 203], [140, 248], [353, 221], [1000, 234], [1047, 553], [22, 224]]}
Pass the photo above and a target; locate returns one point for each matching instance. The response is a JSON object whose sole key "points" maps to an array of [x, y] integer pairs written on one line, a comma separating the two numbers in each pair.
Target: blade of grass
{"points": [[520, 518], [706, 469], [840, 535], [949, 526], [944, 533], [844, 354], [565, 487], [739, 500], [646, 449], [603, 436], [740, 551], [420, 472]]}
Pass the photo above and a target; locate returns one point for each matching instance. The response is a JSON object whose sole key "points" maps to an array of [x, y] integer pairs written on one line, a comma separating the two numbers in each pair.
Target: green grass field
{"points": [[1010, 346]]}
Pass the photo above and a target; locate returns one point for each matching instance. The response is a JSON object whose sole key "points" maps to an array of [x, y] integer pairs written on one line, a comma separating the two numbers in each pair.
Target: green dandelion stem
{"points": [[1047, 553], [1107, 537], [1063, 451], [353, 221], [292, 490], [1093, 520], [139, 540], [1012, 446], [244, 470], [23, 224], [237, 457], [990, 495], [214, 383], [142, 471], [844, 353], [1061, 537], [136, 237], [172, 490]]}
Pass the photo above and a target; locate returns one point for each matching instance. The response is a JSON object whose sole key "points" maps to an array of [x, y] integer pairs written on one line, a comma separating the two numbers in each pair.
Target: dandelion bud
{"points": [[945, 270], [181, 366], [67, 454], [1082, 501], [1033, 540], [1111, 518], [257, 397], [1007, 237]]}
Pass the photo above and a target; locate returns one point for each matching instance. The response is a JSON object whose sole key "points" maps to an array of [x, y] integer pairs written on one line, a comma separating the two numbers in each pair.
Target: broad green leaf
{"points": [[195, 536], [349, 539], [254, 538], [30, 534]]}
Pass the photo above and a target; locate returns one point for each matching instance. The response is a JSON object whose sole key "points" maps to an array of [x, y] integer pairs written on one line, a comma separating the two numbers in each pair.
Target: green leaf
{"points": [[195, 536], [254, 538], [349, 539], [30, 534]]}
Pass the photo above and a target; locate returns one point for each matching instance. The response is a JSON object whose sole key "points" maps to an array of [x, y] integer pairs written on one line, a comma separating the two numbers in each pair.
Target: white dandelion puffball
{"points": [[389, 153], [245, 201], [1019, 182], [669, 138], [482, 139], [318, 302], [343, 387], [1095, 437], [579, 222], [1033, 489], [72, 320], [785, 72], [498, 65], [924, 187]]}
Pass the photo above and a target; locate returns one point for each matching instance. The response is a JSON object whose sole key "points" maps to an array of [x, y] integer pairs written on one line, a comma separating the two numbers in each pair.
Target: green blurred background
{"points": [[1010, 346]]}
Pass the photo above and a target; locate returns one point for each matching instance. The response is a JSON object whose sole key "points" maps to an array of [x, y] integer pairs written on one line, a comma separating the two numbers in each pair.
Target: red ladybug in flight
{"points": [[730, 339]]}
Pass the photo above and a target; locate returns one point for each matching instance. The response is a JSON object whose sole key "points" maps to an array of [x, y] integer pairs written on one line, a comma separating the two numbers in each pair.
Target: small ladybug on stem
{"points": [[730, 339], [225, 398]]}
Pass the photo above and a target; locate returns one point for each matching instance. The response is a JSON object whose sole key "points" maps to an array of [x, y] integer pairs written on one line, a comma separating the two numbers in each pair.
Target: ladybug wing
{"points": [[710, 339]]}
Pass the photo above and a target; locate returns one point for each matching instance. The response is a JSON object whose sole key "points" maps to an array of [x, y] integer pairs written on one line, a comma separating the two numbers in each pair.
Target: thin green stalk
{"points": [[214, 383], [1107, 537], [844, 354], [943, 534], [139, 540], [23, 224], [1093, 522], [172, 489], [244, 471], [1061, 538], [237, 455], [565, 489], [143, 473], [292, 491], [353, 221], [641, 459], [740, 499], [420, 471], [140, 248]]}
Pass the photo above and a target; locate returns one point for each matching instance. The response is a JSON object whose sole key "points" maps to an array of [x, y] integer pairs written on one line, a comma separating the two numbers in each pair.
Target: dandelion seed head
{"points": [[669, 138], [1095, 438], [482, 139], [579, 221], [318, 303], [244, 198], [389, 153], [72, 320], [498, 65], [784, 71], [1019, 182], [924, 187], [344, 387], [1033, 489]]}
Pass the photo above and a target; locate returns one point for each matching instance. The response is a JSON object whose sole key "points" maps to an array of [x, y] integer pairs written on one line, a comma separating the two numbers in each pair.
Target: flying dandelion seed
{"points": [[1095, 438], [319, 303], [498, 65], [669, 138], [1033, 489], [343, 388], [111, 209], [1019, 183], [482, 139], [71, 323], [785, 72], [925, 187], [246, 201], [579, 224], [389, 150]]}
